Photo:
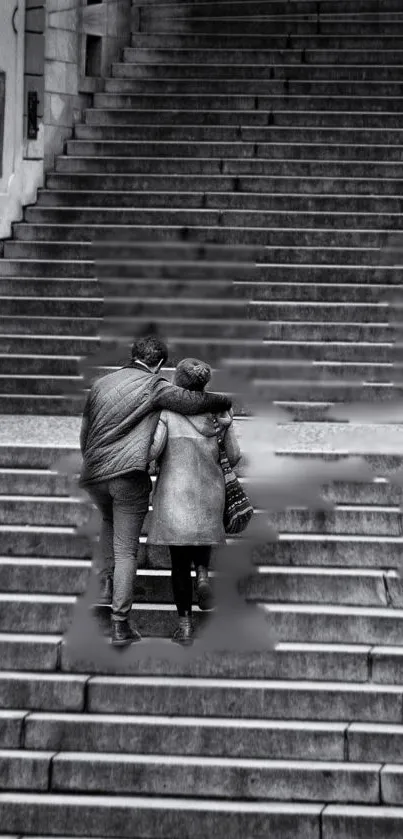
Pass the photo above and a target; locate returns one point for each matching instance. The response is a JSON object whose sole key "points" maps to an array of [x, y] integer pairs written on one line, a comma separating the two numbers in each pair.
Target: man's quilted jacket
{"points": [[121, 415]]}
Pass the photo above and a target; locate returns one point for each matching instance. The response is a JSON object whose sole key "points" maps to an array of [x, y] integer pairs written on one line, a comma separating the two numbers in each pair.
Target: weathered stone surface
{"points": [[61, 77], [40, 691], [24, 770], [34, 54], [340, 822], [62, 45], [11, 727], [218, 778], [121, 817]]}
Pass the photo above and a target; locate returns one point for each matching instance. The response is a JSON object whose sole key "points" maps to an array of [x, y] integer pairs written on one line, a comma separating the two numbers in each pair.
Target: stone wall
{"points": [[14, 177], [68, 88], [34, 81], [43, 49]]}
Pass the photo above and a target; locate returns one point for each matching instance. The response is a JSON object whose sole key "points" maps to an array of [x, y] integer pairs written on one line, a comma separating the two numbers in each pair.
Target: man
{"points": [[119, 421]]}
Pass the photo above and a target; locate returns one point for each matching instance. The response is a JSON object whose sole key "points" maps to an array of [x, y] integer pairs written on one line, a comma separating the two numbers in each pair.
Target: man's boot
{"points": [[204, 593], [123, 634], [183, 635], [105, 590]]}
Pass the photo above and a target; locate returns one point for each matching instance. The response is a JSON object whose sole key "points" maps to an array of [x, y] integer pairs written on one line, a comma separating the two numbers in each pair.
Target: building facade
{"points": [[53, 55]]}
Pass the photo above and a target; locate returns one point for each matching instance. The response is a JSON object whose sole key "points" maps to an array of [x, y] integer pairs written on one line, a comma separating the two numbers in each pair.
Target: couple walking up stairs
{"points": [[231, 133]]}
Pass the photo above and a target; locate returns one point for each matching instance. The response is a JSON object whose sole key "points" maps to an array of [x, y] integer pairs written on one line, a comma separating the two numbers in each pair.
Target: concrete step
{"points": [[290, 167], [202, 307], [65, 512], [46, 385], [53, 306], [335, 624], [349, 782], [195, 736], [278, 71], [173, 269], [246, 699], [25, 770], [348, 663], [340, 662], [75, 187], [271, 739], [43, 268], [291, 548], [86, 329], [364, 741], [73, 813], [215, 778], [241, 87], [69, 241], [42, 691], [274, 117], [48, 405], [334, 9], [314, 149], [247, 26], [41, 480], [305, 292], [248, 104], [45, 576], [332, 586], [22, 326], [203, 736], [119, 292], [325, 42], [224, 134], [344, 248], [161, 264], [291, 622], [11, 729], [354, 822], [212, 348], [287, 336], [294, 821], [44, 287], [64, 204], [41, 365], [276, 8], [281, 55], [334, 551], [46, 222]]}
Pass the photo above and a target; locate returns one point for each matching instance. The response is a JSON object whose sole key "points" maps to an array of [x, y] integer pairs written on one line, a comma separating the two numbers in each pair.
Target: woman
{"points": [[188, 501]]}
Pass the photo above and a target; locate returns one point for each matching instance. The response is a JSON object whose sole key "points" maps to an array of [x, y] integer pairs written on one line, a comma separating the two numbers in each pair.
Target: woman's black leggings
{"points": [[182, 557]]}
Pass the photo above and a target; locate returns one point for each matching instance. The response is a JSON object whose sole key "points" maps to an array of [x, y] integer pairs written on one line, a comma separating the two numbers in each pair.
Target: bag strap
{"points": [[218, 432], [222, 452]]}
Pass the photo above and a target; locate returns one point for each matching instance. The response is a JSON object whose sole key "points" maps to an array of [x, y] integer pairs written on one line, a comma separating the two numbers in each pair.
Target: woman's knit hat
{"points": [[192, 374]]}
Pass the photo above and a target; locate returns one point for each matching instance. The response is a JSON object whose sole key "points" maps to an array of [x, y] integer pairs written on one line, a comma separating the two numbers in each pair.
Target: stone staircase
{"points": [[229, 130]]}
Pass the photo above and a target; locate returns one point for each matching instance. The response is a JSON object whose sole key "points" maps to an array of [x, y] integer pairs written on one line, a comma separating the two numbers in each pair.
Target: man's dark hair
{"points": [[150, 350]]}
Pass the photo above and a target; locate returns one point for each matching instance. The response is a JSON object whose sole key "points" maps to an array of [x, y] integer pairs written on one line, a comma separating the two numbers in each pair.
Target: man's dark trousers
{"points": [[123, 504]]}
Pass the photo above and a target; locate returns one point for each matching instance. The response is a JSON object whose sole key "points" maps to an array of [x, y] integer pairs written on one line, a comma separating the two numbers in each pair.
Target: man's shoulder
{"points": [[158, 383], [160, 378]]}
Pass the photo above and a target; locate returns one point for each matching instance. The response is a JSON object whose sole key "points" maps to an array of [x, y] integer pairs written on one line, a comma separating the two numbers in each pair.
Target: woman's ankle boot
{"points": [[204, 593], [184, 633]]}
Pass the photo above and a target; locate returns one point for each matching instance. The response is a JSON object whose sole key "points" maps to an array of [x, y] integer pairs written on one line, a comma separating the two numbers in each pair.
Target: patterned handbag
{"points": [[238, 510]]}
